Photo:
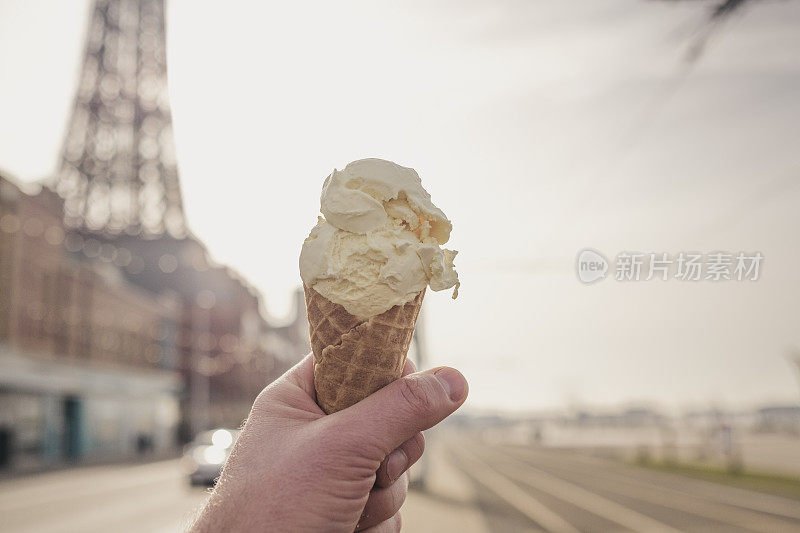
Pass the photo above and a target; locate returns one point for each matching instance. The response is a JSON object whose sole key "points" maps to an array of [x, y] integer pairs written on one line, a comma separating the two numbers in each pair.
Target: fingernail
{"points": [[396, 464], [453, 382]]}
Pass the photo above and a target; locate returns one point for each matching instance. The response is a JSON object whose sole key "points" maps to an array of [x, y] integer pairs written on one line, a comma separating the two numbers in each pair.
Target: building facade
{"points": [[88, 361], [114, 348]]}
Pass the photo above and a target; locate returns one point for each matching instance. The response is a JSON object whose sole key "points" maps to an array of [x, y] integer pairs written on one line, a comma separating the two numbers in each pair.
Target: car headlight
{"points": [[214, 455], [222, 438], [210, 455]]}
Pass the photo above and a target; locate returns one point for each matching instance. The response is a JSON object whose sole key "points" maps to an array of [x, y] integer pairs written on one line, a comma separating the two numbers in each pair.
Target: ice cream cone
{"points": [[354, 358]]}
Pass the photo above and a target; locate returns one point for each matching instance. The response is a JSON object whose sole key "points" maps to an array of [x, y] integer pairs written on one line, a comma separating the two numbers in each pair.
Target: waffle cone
{"points": [[353, 358]]}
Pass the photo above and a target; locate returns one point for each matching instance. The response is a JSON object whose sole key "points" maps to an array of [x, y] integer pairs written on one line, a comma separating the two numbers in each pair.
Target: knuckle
{"points": [[262, 401], [402, 490], [399, 491], [371, 446], [418, 444], [265, 401], [418, 395], [349, 457]]}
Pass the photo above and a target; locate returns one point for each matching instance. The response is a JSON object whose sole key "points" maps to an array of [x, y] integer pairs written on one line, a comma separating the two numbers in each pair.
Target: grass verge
{"points": [[779, 485]]}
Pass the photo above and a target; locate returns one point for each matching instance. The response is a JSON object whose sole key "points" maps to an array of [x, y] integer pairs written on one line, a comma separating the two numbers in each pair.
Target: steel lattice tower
{"points": [[118, 169]]}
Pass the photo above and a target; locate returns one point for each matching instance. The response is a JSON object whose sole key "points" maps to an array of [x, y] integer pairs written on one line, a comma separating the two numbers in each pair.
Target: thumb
{"points": [[403, 408]]}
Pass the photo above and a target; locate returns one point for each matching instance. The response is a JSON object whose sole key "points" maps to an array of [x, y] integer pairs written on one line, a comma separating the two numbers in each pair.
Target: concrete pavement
{"points": [[548, 490]]}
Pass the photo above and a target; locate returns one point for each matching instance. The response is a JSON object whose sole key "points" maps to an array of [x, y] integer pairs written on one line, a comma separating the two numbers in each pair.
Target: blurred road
{"points": [[472, 487], [535, 489], [153, 497]]}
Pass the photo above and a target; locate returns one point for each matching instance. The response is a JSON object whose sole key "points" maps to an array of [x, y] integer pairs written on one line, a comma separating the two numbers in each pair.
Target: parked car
{"points": [[204, 457]]}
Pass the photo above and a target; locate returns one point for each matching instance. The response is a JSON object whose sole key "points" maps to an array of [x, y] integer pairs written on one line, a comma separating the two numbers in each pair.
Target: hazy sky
{"points": [[540, 128]]}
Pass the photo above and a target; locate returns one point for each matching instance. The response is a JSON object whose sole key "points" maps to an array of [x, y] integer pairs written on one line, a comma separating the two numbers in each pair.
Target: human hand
{"points": [[296, 469]]}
